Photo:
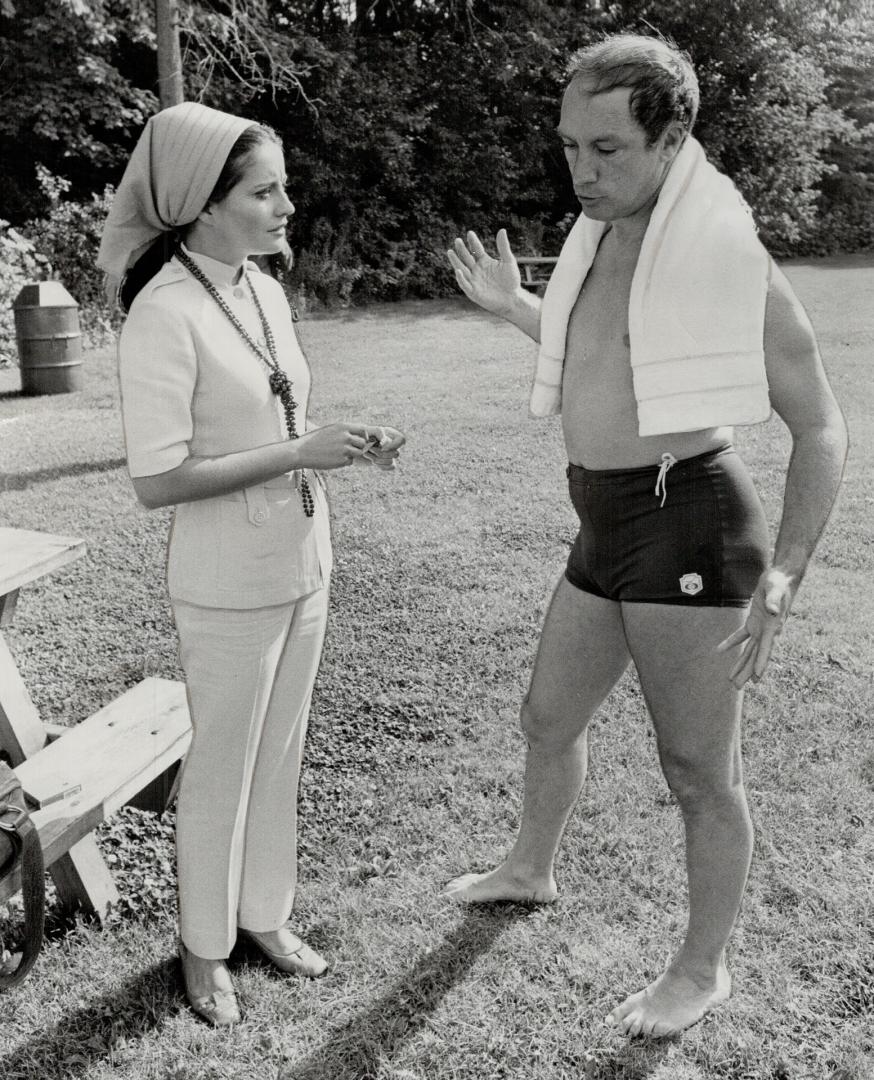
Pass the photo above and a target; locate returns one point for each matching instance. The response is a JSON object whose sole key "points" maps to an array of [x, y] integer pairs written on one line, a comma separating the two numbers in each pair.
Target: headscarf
{"points": [[168, 180]]}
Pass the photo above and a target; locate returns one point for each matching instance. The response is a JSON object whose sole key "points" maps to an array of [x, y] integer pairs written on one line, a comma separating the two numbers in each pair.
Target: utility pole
{"points": [[170, 88]]}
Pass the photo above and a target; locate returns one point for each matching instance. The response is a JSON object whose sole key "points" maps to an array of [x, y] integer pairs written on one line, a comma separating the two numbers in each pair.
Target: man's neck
{"points": [[628, 232]]}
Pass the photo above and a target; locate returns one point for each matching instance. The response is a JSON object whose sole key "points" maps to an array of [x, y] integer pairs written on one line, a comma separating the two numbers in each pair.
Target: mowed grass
{"points": [[414, 759]]}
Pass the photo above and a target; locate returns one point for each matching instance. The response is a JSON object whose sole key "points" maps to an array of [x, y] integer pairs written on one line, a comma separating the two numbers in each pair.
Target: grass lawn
{"points": [[413, 767]]}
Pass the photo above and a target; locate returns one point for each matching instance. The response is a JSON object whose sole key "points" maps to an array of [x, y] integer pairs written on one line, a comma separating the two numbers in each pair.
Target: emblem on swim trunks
{"points": [[691, 584]]}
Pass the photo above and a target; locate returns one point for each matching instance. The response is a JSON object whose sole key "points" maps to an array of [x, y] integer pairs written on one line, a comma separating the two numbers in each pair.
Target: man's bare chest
{"points": [[597, 346]]}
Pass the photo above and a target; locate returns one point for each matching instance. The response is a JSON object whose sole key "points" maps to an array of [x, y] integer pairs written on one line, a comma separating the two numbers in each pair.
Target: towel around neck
{"points": [[696, 311]]}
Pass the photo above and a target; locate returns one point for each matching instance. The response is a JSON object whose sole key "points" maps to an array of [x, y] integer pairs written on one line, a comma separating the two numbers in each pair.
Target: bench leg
{"points": [[7, 608], [83, 879], [21, 731]]}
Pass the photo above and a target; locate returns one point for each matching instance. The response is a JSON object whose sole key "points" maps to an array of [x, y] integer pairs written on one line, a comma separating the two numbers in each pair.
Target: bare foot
{"points": [[671, 1004], [501, 884]]}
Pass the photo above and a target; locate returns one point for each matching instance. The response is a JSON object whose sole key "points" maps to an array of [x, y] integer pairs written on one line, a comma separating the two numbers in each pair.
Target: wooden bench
{"points": [[120, 755], [74, 778], [536, 270]]}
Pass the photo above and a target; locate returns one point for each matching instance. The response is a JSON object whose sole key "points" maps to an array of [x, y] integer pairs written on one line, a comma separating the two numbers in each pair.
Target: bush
{"points": [[774, 146], [846, 223], [20, 262], [69, 239]]}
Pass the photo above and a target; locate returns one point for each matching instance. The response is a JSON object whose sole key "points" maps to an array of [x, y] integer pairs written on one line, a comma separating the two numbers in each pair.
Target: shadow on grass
{"points": [[96, 1030], [636, 1060], [23, 480], [357, 1049]]}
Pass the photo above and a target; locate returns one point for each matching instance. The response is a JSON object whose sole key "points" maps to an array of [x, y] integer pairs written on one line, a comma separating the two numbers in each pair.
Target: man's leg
{"points": [[696, 713], [582, 654]]}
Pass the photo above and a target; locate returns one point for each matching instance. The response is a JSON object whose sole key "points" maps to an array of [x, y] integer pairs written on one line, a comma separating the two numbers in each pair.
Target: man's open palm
{"points": [[491, 283]]}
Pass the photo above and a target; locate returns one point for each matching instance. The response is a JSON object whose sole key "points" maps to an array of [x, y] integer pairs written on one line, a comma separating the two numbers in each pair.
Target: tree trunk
{"points": [[170, 88]]}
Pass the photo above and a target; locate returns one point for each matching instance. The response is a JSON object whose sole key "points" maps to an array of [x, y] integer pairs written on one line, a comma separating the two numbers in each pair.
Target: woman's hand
{"points": [[494, 284], [330, 447], [337, 445], [772, 600], [382, 448]]}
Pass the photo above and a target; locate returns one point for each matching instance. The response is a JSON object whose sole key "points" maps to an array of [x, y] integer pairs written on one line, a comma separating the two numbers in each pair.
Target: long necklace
{"points": [[280, 383]]}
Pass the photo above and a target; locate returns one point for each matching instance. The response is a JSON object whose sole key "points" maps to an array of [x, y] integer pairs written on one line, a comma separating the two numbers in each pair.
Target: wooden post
{"points": [[170, 88]]}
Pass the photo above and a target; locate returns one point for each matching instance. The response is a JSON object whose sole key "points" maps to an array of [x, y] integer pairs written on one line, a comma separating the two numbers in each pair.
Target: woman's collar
{"points": [[220, 273]]}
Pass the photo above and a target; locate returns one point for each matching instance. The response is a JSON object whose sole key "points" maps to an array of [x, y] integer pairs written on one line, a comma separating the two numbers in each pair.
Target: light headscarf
{"points": [[168, 180]]}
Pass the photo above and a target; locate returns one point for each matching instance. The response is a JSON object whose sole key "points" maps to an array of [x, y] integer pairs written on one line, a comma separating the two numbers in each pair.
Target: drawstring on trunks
{"points": [[667, 461]]}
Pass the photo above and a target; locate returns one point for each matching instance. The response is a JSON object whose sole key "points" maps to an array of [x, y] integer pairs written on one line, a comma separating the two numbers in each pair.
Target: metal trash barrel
{"points": [[49, 339]]}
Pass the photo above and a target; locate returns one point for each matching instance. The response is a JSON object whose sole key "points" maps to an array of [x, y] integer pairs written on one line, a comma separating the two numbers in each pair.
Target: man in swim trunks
{"points": [[671, 568]]}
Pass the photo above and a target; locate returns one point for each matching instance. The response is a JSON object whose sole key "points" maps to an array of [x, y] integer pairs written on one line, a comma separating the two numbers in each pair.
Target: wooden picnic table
{"points": [[536, 269], [25, 557], [75, 777]]}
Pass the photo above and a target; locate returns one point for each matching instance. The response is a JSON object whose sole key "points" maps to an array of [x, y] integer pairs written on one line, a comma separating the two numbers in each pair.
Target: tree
{"points": [[773, 114], [407, 121], [170, 86], [70, 107]]}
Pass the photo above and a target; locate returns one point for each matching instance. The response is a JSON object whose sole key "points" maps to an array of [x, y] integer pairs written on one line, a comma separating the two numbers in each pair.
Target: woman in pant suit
{"points": [[214, 391]]}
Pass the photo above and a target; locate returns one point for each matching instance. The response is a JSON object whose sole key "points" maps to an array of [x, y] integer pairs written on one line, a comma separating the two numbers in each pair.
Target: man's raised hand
{"points": [[491, 283]]}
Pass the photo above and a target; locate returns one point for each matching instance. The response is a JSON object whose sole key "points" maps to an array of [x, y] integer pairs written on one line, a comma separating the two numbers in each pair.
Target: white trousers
{"points": [[249, 676]]}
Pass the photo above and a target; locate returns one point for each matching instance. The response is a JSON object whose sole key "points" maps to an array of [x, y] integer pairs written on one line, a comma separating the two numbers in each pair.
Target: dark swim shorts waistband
{"points": [[581, 472]]}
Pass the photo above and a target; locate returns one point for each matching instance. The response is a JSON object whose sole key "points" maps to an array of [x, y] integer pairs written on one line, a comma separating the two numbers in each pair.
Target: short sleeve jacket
{"points": [[192, 387]]}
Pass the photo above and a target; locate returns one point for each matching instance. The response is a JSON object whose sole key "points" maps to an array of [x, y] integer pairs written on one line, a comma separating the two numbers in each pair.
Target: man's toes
{"points": [[634, 1024], [628, 1020], [619, 1017], [456, 884]]}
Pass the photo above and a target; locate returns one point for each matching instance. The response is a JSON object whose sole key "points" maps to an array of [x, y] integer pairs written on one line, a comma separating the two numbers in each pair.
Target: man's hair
{"points": [[660, 75]]}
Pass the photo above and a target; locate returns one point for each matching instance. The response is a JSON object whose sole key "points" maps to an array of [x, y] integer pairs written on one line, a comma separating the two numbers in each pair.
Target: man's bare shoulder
{"points": [[797, 381]]}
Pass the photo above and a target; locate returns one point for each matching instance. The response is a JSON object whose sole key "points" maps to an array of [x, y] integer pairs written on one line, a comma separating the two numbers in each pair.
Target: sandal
{"points": [[301, 960], [220, 1008]]}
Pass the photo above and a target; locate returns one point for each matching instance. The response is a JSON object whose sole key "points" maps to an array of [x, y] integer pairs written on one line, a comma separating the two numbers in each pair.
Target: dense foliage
{"points": [[408, 121], [20, 262]]}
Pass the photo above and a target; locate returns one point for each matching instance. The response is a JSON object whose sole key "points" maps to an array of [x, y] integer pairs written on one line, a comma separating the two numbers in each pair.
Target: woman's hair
{"points": [[161, 250], [663, 83], [235, 166]]}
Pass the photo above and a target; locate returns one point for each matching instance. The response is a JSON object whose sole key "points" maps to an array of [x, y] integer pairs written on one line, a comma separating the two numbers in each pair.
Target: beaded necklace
{"points": [[280, 383]]}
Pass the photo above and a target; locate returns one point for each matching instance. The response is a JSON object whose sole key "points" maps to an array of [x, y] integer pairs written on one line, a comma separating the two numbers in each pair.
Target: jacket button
{"points": [[259, 517], [238, 292]]}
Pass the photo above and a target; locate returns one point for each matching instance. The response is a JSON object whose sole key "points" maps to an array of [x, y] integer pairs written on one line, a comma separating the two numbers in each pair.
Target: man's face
{"points": [[614, 172]]}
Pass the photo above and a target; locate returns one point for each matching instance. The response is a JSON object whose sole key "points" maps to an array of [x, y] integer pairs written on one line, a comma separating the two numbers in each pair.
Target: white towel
{"points": [[696, 312]]}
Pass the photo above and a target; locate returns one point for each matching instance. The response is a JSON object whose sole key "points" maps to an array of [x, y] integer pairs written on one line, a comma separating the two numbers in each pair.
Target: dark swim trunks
{"points": [[701, 540]]}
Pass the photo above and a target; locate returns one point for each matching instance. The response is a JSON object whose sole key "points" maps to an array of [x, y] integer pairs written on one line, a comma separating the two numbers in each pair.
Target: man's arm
{"points": [[802, 397], [495, 284]]}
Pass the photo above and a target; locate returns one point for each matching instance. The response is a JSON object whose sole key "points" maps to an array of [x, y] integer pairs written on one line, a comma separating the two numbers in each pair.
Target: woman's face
{"points": [[252, 217]]}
